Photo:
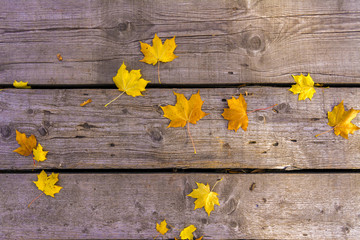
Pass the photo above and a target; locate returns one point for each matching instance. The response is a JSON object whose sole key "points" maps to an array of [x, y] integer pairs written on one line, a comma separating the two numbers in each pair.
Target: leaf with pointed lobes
{"points": [[304, 87], [158, 52], [27, 144], [236, 113], [341, 120]]}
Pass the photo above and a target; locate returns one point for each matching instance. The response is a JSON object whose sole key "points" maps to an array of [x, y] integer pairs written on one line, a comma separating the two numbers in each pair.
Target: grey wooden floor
{"points": [[122, 170]]}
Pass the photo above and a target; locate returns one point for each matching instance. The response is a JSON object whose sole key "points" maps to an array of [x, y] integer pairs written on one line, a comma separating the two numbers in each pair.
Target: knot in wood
{"points": [[155, 135], [43, 131], [5, 131]]}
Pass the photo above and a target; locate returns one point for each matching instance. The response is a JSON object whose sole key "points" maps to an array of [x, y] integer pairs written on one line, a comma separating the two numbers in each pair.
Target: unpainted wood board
{"points": [[219, 42], [131, 133], [127, 206]]}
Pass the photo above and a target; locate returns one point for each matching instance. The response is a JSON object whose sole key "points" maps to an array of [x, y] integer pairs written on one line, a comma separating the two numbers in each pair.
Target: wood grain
{"points": [[132, 133], [127, 206], [219, 42]]}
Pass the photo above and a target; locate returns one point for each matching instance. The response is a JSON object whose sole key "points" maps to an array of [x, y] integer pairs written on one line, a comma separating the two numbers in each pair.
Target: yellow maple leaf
{"points": [[158, 52], [185, 111], [304, 87], [341, 120], [39, 153], [27, 144], [205, 197], [161, 228], [236, 113], [21, 84], [187, 233], [46, 183], [130, 83]]}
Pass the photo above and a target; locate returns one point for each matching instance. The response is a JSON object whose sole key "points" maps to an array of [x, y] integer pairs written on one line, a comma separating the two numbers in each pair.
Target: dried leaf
{"points": [[236, 113], [162, 227], [59, 57], [130, 83], [185, 111], [187, 233], [205, 197], [304, 87], [341, 120], [21, 84], [39, 154], [26, 144], [46, 183], [158, 52], [86, 102]]}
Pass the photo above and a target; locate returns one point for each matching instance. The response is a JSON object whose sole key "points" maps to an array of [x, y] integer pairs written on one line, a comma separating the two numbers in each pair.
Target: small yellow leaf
{"points": [[39, 154], [341, 120], [130, 83], [304, 87], [236, 113], [86, 102], [26, 144], [205, 197], [158, 52], [59, 57], [46, 183], [21, 84], [185, 111], [161, 228], [187, 233]]}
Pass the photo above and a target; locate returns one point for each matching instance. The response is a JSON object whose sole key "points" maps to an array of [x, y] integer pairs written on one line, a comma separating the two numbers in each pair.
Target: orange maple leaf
{"points": [[185, 112], [26, 144], [236, 113], [341, 120]]}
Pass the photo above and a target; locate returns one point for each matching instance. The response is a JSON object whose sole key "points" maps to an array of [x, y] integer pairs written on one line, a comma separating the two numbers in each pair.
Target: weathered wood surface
{"points": [[132, 133], [219, 42], [127, 206]]}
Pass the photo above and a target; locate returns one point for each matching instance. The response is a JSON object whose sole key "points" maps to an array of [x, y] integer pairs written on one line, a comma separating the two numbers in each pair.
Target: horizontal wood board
{"points": [[132, 133], [219, 42], [127, 206]]}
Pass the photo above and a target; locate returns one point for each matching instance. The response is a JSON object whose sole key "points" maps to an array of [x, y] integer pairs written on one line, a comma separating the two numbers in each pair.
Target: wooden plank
{"points": [[132, 133], [219, 42], [127, 206]]}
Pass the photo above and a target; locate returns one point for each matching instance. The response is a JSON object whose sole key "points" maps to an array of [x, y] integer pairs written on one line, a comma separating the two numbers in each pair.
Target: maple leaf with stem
{"points": [[130, 83], [340, 120], [185, 112], [304, 87], [39, 153], [46, 184], [236, 113], [158, 52], [27, 144], [21, 84], [205, 197]]}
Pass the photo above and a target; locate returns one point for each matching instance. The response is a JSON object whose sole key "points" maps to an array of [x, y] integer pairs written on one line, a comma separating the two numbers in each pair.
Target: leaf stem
{"points": [[261, 109], [215, 184], [114, 99], [174, 228], [156, 236], [159, 71], [35, 199], [324, 132], [192, 141]]}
